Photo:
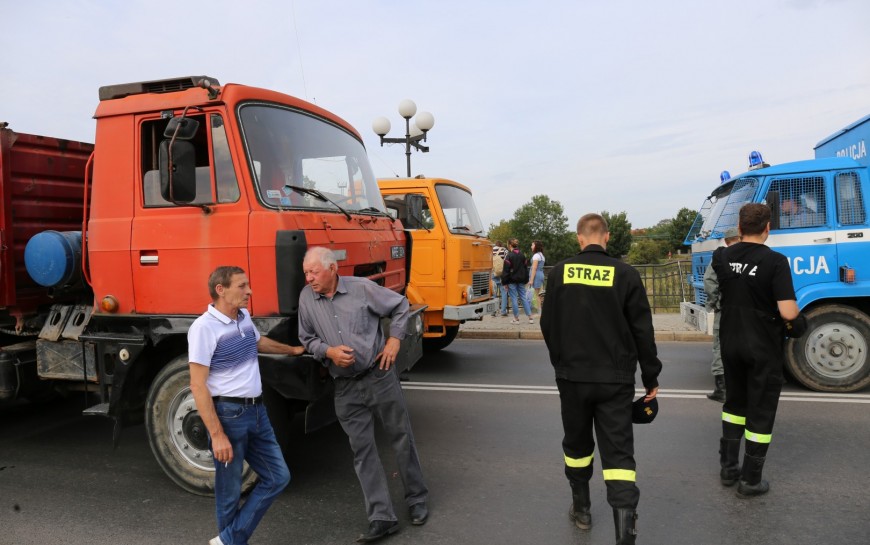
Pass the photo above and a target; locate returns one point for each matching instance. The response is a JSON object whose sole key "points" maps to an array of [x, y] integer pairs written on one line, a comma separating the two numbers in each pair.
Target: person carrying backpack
{"points": [[514, 276]]}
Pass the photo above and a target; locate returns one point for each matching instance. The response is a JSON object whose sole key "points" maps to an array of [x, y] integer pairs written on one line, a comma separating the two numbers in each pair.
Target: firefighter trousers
{"points": [[606, 408], [753, 383]]}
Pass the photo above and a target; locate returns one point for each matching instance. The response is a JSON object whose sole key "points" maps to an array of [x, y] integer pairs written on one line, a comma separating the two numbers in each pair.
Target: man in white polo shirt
{"points": [[225, 381]]}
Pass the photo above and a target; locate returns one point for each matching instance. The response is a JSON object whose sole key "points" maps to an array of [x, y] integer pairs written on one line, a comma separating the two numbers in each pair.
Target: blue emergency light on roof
{"points": [[755, 160], [724, 176]]}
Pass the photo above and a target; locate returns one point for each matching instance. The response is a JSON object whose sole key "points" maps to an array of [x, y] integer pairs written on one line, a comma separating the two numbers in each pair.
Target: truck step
{"points": [[101, 409]]}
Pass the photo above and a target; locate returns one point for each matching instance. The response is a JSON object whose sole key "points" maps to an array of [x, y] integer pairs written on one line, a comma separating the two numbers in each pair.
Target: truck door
{"points": [[175, 247], [852, 234], [427, 263], [802, 227]]}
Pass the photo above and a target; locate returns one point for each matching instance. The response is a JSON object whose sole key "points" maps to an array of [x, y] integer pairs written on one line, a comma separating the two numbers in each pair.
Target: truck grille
{"points": [[480, 284]]}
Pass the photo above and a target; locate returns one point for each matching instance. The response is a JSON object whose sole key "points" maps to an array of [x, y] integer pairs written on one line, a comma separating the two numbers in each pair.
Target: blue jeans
{"points": [[250, 433], [519, 289], [502, 292]]}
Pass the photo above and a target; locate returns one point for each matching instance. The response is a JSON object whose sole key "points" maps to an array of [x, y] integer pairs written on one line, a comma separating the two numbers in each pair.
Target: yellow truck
{"points": [[451, 260]]}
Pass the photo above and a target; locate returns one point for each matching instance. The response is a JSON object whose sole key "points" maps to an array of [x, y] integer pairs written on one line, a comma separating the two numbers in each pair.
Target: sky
{"points": [[630, 106]]}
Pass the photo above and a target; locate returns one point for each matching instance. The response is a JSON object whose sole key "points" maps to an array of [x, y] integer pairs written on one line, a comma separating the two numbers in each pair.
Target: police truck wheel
{"points": [[832, 355], [177, 435], [434, 344]]}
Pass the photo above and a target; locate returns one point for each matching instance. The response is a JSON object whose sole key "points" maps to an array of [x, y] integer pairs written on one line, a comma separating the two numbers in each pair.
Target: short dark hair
{"points": [[222, 276], [514, 243], [754, 217], [537, 246], [592, 224]]}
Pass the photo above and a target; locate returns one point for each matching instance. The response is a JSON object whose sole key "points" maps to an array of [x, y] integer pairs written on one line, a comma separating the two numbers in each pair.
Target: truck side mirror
{"points": [[773, 202], [181, 128], [178, 176], [414, 210]]}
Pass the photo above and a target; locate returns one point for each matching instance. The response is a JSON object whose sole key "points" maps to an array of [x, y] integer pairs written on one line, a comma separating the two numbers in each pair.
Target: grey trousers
{"points": [[716, 366], [357, 403]]}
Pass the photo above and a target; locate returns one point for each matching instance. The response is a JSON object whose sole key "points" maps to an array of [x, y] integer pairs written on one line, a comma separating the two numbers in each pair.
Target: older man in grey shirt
{"points": [[339, 323]]}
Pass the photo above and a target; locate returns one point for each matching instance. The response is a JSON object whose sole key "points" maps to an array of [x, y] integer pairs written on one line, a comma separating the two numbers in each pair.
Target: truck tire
{"points": [[434, 344], [832, 354], [177, 435]]}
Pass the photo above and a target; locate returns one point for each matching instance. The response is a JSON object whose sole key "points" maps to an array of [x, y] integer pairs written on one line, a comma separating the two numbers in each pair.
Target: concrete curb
{"points": [[531, 335]]}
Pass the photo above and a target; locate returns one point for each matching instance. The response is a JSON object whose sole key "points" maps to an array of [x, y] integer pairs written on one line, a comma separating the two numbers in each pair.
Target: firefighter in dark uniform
{"points": [[597, 325], [758, 312]]}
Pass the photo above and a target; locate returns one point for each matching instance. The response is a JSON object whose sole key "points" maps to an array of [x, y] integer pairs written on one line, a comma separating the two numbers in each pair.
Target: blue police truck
{"points": [[820, 222]]}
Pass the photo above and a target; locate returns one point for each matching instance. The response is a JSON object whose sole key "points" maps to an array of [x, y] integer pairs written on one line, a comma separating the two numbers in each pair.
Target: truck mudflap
{"points": [[411, 349], [471, 311]]}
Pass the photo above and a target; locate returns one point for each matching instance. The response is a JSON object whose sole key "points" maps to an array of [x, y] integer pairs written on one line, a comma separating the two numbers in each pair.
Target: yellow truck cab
{"points": [[451, 261]]}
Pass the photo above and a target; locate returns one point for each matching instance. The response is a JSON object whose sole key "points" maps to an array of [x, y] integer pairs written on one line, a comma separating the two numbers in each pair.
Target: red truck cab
{"points": [[188, 175]]}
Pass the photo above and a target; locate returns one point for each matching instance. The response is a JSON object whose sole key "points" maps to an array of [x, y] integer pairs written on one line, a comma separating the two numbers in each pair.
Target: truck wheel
{"points": [[832, 355], [177, 435], [434, 344]]}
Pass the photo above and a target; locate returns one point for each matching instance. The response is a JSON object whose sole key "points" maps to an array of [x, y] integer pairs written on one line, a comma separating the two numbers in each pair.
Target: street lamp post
{"points": [[414, 132]]}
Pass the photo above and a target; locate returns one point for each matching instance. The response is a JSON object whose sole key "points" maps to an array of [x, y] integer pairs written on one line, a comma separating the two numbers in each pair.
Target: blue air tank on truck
{"points": [[819, 221]]}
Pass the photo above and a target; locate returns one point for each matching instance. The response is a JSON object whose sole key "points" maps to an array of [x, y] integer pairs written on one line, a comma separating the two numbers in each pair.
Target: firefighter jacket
{"points": [[597, 321]]}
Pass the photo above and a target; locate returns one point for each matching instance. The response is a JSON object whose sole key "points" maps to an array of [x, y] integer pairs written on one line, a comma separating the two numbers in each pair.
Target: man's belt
{"points": [[359, 375], [240, 400]]}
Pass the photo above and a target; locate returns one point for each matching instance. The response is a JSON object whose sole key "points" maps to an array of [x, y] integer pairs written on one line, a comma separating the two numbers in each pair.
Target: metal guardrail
{"points": [[667, 284]]}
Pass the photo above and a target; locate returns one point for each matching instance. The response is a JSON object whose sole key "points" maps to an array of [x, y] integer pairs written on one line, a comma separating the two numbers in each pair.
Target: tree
{"points": [[544, 219], [647, 251], [620, 233], [499, 231], [679, 227]]}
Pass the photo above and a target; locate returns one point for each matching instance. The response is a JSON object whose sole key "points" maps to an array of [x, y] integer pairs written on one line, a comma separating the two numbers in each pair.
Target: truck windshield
{"points": [[289, 148], [721, 209], [459, 210]]}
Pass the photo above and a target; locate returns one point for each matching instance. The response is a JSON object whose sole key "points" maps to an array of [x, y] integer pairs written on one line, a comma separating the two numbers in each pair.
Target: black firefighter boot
{"points": [[625, 521], [751, 484], [579, 511], [719, 389], [729, 459]]}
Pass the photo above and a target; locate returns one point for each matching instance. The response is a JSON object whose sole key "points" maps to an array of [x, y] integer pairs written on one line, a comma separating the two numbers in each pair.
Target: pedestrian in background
{"points": [[340, 324], [225, 382], [499, 252], [536, 274], [515, 276], [711, 287], [597, 325], [758, 311]]}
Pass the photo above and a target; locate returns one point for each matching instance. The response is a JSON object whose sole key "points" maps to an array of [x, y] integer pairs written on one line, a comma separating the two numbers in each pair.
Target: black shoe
{"points": [[419, 514], [719, 390], [580, 506], [581, 516], [746, 490], [379, 529]]}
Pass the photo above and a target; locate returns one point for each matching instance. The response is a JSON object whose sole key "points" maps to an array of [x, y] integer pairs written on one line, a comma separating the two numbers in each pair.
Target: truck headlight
{"points": [[469, 293]]}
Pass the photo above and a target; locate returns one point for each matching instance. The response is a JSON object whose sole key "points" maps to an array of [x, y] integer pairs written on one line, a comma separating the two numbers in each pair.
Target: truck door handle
{"points": [[148, 257], [826, 239]]}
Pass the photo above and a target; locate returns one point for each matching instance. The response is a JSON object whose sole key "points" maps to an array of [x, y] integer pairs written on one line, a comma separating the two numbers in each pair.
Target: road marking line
{"points": [[816, 397]]}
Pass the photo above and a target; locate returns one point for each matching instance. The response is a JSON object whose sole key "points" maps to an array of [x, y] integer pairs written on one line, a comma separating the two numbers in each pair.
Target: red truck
{"points": [[106, 249]]}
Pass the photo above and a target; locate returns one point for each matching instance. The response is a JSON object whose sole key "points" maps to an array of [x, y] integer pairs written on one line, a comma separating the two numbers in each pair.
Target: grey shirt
{"points": [[352, 318]]}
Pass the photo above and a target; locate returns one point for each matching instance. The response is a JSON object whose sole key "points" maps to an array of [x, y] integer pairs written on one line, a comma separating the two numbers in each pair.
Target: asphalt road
{"points": [[486, 419]]}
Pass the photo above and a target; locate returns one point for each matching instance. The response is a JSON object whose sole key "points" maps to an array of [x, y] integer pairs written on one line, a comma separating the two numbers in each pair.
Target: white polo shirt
{"points": [[229, 349]]}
